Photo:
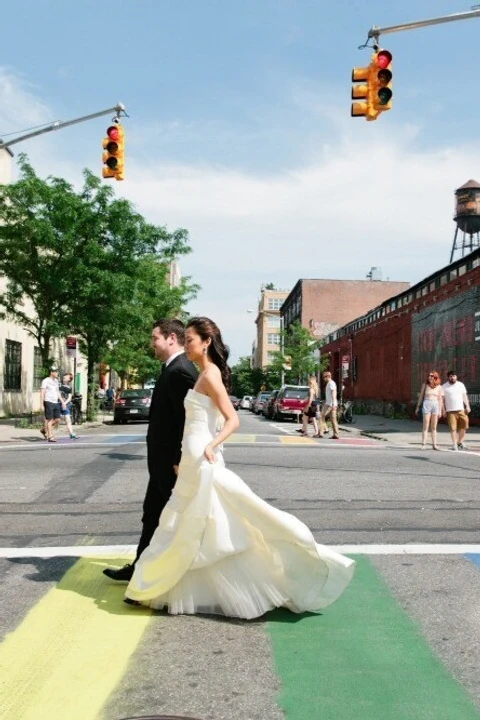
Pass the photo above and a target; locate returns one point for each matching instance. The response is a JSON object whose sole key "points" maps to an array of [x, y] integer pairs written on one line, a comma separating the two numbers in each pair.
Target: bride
{"points": [[218, 547]]}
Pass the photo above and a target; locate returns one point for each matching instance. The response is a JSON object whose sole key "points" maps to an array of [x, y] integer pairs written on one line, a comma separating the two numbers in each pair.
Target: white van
{"points": [[245, 402]]}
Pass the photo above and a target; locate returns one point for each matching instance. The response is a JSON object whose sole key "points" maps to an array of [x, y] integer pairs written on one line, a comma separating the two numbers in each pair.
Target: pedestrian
{"points": [[109, 398], [310, 409], [219, 548], [456, 407], [330, 406], [52, 402], [430, 400], [165, 429], [65, 412]]}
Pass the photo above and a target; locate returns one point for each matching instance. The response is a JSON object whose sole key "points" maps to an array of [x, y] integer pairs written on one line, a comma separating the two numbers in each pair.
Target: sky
{"points": [[239, 130]]}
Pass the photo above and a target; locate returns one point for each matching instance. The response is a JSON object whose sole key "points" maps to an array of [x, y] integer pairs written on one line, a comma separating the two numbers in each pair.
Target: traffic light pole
{"points": [[117, 109], [375, 32]]}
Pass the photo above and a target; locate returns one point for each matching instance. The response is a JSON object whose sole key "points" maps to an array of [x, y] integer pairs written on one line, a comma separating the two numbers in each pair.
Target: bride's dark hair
{"points": [[218, 352]]}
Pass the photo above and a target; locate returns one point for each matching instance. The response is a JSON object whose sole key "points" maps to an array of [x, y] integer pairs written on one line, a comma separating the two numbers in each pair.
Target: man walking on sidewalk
{"points": [[456, 407], [52, 402], [330, 406]]}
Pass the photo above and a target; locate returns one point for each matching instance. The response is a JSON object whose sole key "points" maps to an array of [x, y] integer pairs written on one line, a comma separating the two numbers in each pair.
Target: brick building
{"points": [[325, 305], [382, 357]]}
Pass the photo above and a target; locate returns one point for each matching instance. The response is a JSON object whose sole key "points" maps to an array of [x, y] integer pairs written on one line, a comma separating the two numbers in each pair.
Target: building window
{"points": [[275, 303], [273, 322], [270, 357], [273, 339], [37, 368], [13, 365]]}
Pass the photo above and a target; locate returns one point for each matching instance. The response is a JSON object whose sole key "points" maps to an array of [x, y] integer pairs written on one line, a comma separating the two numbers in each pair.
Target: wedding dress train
{"points": [[221, 549]]}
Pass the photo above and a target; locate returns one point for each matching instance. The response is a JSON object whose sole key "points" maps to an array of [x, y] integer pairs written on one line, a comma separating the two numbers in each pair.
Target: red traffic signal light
{"points": [[381, 80], [375, 91], [113, 156]]}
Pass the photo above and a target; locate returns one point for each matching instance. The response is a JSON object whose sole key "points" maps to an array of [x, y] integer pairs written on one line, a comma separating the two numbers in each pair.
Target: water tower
{"points": [[467, 218]]}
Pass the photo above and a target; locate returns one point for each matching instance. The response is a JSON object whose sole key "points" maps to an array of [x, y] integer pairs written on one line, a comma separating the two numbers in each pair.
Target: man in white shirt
{"points": [[330, 406], [52, 402], [456, 407]]}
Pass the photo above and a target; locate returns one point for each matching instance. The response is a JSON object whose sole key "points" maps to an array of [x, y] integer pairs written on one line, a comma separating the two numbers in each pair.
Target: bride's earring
{"points": [[204, 350]]}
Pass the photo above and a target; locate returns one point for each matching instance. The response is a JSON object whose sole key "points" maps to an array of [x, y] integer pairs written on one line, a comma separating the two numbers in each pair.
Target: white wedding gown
{"points": [[220, 549]]}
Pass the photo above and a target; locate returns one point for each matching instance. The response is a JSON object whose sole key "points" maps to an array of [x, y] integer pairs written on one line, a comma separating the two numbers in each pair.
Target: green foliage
{"points": [[242, 378], [89, 265], [300, 346]]}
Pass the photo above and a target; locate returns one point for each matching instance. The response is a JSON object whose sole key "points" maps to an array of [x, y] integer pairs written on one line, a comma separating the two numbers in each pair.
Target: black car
{"points": [[235, 401], [132, 405]]}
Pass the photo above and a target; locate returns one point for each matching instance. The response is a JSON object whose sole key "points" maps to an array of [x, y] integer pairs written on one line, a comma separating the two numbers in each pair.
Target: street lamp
{"points": [[265, 313]]}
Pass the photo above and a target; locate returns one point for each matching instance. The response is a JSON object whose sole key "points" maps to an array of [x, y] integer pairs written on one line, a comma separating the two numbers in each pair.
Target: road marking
{"points": [[291, 440], [54, 665], [362, 658], [125, 551]]}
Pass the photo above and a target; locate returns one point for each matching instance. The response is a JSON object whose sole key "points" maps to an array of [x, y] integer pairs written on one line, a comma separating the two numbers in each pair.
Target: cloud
{"points": [[365, 194]]}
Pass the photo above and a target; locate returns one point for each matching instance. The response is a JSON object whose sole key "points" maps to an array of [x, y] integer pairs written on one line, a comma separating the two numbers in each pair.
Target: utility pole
{"points": [[118, 109], [375, 32]]}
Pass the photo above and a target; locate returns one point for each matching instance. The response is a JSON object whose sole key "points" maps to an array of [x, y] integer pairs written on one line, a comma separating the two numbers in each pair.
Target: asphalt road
{"points": [[89, 493]]}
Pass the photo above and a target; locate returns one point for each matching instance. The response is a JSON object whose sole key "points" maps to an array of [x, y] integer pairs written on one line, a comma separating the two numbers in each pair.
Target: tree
{"points": [[242, 378], [299, 347], [37, 240], [84, 261], [130, 356]]}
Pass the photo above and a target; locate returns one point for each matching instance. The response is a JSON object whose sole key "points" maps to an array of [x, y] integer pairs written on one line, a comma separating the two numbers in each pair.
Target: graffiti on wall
{"points": [[446, 336], [320, 329]]}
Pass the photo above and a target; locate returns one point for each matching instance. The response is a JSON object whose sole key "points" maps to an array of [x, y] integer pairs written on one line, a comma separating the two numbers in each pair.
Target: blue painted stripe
{"points": [[475, 558], [124, 439]]}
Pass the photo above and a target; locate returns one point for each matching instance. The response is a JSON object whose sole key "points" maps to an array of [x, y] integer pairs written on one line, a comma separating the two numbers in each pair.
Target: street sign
{"points": [[71, 346]]}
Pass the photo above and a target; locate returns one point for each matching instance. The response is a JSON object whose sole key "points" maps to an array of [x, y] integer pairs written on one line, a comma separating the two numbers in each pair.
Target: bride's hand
{"points": [[209, 454]]}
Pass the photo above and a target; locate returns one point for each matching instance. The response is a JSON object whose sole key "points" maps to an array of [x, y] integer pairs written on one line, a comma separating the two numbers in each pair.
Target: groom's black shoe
{"points": [[129, 601], [124, 573]]}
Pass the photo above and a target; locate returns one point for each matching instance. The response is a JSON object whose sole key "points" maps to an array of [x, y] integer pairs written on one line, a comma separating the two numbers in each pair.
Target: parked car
{"points": [[245, 402], [132, 405], [269, 405], [290, 402], [259, 401], [235, 401]]}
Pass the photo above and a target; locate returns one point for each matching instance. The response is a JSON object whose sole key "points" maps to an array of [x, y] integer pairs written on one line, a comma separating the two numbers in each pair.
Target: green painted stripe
{"points": [[363, 658]]}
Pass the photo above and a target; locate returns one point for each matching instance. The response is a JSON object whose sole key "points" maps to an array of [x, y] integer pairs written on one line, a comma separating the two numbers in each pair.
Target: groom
{"points": [[165, 429]]}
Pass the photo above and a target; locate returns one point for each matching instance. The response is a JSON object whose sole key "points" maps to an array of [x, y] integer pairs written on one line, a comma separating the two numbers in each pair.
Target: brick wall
{"points": [[329, 304]]}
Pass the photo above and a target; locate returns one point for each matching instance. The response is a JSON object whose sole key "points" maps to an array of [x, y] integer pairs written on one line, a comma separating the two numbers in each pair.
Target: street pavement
{"points": [[390, 430], [401, 644]]}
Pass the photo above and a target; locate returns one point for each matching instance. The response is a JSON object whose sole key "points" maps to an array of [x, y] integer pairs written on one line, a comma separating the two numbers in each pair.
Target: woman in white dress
{"points": [[219, 548]]}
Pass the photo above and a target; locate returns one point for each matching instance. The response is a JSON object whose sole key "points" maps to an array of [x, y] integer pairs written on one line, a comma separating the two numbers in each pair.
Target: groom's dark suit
{"points": [[164, 440]]}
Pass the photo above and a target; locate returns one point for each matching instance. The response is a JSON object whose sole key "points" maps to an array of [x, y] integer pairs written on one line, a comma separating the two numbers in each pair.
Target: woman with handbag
{"points": [[430, 404], [310, 409]]}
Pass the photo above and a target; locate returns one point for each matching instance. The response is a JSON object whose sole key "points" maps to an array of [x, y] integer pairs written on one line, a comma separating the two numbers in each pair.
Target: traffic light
{"points": [[114, 152], [360, 92], [381, 81], [375, 92]]}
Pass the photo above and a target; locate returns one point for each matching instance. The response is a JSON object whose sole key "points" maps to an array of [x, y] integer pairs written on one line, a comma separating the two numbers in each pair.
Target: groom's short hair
{"points": [[171, 325]]}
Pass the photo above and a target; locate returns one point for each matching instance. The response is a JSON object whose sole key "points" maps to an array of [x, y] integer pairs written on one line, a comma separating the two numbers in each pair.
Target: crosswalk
{"points": [[77, 652], [290, 439]]}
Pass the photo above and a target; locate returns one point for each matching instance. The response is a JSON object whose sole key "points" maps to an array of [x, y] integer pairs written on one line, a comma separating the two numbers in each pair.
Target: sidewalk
{"points": [[406, 432], [11, 434]]}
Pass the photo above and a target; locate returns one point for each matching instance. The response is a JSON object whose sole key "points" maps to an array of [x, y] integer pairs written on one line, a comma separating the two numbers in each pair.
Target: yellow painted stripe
{"points": [[238, 437], [290, 440], [71, 650]]}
